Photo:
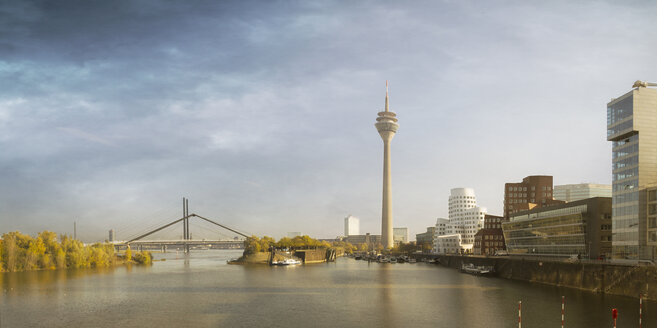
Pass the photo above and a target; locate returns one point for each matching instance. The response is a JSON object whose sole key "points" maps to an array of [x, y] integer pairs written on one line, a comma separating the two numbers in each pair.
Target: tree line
{"points": [[20, 252], [254, 244]]}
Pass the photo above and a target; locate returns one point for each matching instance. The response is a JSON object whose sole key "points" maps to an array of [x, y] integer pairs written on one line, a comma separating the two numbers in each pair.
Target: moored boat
{"points": [[479, 270], [286, 262]]}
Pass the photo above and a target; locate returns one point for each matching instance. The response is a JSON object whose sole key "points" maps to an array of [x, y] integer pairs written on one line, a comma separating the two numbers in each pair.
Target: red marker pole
{"points": [[614, 315], [640, 308], [563, 302], [519, 314]]}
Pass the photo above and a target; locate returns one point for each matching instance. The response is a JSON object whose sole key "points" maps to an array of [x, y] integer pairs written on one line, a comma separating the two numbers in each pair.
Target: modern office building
{"points": [[351, 225], [111, 235], [533, 191], [490, 239], [651, 201], [400, 235], [441, 230], [465, 217], [573, 192], [387, 126], [368, 239], [441, 226], [425, 237], [632, 129], [449, 244], [580, 228]]}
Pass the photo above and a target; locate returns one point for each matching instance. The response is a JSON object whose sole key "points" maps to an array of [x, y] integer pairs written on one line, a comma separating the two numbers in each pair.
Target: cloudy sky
{"points": [[262, 113]]}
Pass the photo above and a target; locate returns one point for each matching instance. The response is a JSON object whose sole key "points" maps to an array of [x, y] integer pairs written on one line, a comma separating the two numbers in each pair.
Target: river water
{"points": [[201, 290]]}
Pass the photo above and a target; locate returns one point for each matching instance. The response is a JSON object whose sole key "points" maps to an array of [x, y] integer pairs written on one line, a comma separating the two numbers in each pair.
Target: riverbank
{"points": [[45, 251], [597, 277]]}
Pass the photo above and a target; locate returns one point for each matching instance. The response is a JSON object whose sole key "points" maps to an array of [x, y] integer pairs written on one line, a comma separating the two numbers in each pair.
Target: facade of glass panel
{"points": [[573, 192], [651, 224], [631, 122], [578, 228]]}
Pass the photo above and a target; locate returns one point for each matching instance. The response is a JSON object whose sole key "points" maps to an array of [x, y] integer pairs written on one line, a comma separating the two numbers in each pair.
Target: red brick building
{"points": [[489, 239], [533, 191]]}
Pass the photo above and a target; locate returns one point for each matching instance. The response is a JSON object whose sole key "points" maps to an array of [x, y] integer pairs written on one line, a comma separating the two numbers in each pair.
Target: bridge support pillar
{"points": [[164, 248], [186, 248], [141, 248]]}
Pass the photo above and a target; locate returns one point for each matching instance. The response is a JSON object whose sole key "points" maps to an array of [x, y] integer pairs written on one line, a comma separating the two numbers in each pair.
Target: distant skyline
{"points": [[262, 113]]}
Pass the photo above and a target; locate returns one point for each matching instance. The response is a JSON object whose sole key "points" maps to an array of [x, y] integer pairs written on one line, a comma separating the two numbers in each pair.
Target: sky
{"points": [[262, 112]]}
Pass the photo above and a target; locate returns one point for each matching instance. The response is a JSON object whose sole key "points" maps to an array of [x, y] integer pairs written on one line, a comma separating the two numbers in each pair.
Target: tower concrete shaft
{"points": [[387, 126]]}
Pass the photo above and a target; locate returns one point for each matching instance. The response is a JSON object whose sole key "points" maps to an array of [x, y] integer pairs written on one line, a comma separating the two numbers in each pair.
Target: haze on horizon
{"points": [[262, 113]]}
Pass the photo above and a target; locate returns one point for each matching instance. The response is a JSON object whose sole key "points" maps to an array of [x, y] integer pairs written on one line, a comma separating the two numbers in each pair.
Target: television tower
{"points": [[387, 126]]}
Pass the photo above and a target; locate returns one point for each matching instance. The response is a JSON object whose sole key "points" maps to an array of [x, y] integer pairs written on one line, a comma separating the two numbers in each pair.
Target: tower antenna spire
{"points": [[387, 96]]}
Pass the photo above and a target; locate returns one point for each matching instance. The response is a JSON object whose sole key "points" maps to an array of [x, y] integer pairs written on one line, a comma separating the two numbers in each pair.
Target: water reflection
{"points": [[385, 298], [200, 289]]}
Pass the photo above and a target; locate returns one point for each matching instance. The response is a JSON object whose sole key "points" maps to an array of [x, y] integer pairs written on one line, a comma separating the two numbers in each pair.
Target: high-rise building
{"points": [[651, 200], [111, 235], [533, 191], [465, 217], [441, 226], [387, 126], [573, 192], [351, 226], [400, 235], [631, 127]]}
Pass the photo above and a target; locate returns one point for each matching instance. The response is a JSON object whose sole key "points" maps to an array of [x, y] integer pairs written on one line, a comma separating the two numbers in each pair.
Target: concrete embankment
{"points": [[602, 277]]}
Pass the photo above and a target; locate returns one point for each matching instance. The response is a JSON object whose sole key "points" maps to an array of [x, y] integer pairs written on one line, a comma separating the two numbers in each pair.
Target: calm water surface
{"points": [[201, 290]]}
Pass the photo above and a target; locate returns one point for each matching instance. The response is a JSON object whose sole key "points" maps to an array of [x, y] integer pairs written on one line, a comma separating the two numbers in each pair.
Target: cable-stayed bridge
{"points": [[141, 242]]}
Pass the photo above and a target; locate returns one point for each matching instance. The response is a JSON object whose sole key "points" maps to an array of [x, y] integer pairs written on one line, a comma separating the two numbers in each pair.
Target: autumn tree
{"points": [[128, 254], [2, 254], [76, 255], [285, 243]]}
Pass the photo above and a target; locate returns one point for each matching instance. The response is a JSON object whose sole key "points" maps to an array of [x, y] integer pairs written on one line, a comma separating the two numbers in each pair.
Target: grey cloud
{"points": [[262, 112]]}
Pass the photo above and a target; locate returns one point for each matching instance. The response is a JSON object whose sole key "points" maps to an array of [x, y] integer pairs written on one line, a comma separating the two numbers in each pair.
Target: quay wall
{"points": [[311, 255], [599, 277]]}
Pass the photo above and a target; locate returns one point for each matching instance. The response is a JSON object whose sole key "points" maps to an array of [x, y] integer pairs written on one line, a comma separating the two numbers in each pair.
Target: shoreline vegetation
{"points": [[19, 252], [256, 250]]}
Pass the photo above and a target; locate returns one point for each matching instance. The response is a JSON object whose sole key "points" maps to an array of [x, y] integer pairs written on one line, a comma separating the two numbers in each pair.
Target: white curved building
{"points": [[465, 217]]}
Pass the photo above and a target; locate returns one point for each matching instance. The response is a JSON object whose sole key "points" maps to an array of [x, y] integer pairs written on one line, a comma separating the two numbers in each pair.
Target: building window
{"points": [[652, 223]]}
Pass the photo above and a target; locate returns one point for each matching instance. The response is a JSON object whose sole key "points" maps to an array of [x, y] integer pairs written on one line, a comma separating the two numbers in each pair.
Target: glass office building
{"points": [[631, 127], [578, 228]]}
